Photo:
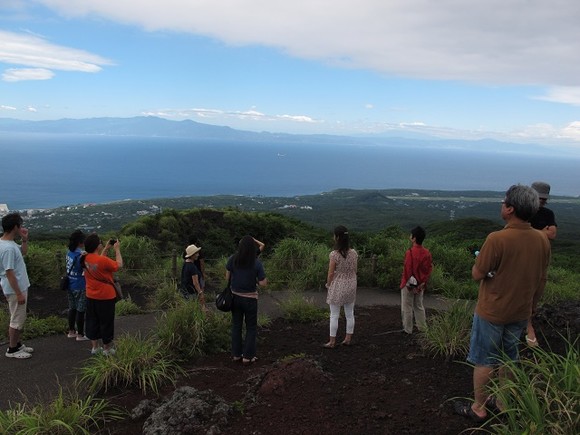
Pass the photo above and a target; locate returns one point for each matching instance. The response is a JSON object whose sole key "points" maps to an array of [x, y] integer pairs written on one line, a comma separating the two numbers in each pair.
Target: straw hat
{"points": [[191, 250]]}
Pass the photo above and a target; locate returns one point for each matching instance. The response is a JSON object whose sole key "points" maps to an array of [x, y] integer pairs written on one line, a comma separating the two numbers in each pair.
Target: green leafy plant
{"points": [[45, 265], [448, 331], [297, 308], [127, 307], [165, 296], [298, 265], [541, 394], [140, 362], [216, 336], [181, 329], [40, 327], [293, 357], [65, 415]]}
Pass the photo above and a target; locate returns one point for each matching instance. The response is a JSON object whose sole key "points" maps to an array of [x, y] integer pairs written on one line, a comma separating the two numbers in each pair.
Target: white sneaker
{"points": [[109, 352], [19, 354], [25, 348], [96, 350], [82, 338], [71, 335]]}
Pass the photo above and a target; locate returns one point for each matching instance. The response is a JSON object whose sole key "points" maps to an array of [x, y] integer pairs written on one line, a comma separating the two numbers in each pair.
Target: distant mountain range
{"points": [[150, 126]]}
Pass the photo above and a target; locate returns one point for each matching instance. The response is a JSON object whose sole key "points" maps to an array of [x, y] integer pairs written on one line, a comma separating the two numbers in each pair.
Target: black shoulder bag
{"points": [[225, 299]]}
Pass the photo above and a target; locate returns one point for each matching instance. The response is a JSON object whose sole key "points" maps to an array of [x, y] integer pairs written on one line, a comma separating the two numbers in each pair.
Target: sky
{"points": [[505, 70]]}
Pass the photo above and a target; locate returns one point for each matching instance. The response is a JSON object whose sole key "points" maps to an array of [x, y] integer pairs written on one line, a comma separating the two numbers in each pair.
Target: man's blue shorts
{"points": [[492, 343]]}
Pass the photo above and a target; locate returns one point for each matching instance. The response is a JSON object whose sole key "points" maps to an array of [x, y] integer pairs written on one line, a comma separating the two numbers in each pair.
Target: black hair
{"points": [[92, 242], [245, 258], [341, 240], [419, 234], [76, 238], [10, 221]]}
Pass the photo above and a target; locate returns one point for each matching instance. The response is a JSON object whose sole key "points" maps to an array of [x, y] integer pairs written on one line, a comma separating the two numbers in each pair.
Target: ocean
{"points": [[46, 171]]}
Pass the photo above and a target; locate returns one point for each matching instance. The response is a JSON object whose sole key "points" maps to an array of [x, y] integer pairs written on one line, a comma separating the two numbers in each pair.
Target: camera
{"points": [[112, 242]]}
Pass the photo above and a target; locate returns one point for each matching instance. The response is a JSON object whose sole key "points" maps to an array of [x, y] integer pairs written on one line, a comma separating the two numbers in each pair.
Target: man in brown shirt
{"points": [[511, 268]]}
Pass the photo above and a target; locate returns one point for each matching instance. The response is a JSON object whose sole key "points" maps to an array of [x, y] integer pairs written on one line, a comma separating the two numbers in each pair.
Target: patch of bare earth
{"points": [[383, 384]]}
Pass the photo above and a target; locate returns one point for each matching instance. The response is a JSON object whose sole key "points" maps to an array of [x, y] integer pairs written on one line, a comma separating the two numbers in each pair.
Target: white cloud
{"points": [[17, 75], [217, 115], [32, 51], [572, 130], [3, 107], [529, 42], [32, 109], [562, 94]]}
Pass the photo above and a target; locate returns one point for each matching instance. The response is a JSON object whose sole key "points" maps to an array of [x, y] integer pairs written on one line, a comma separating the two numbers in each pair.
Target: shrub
{"points": [[138, 361], [35, 327], [216, 335], [448, 331], [44, 265], [297, 308], [127, 307], [181, 328], [561, 285], [442, 283], [165, 296], [456, 260], [541, 394], [298, 265], [65, 415]]}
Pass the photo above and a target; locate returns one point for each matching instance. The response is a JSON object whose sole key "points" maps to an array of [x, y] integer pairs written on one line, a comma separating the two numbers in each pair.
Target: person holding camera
{"points": [[101, 294], [76, 291]]}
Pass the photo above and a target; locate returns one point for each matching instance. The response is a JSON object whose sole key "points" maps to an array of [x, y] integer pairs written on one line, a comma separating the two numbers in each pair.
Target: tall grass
{"points": [[448, 332], [140, 362], [300, 309], [165, 296], [65, 415], [562, 285], [180, 329], [127, 307], [541, 394], [298, 265]]}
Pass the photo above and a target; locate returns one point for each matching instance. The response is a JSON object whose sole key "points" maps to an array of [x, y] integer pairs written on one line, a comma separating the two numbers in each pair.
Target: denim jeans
{"points": [[244, 308], [490, 342]]}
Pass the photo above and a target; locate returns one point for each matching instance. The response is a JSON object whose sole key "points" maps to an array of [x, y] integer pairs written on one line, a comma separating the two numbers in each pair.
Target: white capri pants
{"points": [[335, 314]]}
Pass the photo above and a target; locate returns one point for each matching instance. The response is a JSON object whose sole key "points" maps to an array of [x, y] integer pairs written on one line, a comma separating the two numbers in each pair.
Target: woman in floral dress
{"points": [[341, 285]]}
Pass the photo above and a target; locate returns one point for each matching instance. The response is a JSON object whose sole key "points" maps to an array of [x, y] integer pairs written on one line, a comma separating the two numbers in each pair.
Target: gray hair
{"points": [[524, 200]]}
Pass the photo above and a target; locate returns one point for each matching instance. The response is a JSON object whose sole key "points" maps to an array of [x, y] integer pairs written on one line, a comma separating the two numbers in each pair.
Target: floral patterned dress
{"points": [[342, 289]]}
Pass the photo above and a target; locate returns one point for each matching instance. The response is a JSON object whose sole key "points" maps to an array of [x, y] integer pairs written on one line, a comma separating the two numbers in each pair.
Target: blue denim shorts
{"points": [[491, 343]]}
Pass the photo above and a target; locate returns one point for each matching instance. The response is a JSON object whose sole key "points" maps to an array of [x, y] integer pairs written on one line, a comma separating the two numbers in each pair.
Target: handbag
{"points": [[118, 290], [225, 299], [65, 280], [412, 281]]}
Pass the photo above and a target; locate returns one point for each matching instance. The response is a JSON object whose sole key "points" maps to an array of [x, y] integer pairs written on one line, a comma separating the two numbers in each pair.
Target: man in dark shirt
{"points": [[544, 220]]}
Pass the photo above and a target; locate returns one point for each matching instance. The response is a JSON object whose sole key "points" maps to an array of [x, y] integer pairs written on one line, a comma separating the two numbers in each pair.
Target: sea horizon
{"points": [[50, 171]]}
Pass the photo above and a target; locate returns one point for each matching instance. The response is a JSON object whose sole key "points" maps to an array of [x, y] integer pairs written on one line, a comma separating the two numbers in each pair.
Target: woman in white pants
{"points": [[341, 285]]}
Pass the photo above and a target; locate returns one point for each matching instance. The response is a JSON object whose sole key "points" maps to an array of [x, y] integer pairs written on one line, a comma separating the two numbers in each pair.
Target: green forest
{"points": [[296, 254]]}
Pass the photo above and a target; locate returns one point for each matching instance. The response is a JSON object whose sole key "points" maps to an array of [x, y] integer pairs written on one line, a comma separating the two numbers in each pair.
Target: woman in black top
{"points": [[246, 272]]}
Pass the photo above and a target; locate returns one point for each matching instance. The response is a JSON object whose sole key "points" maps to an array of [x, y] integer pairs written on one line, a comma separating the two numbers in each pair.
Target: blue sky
{"points": [[467, 70]]}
